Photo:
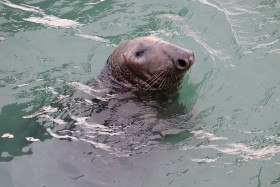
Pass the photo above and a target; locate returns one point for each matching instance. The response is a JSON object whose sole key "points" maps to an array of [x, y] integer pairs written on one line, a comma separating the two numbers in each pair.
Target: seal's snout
{"points": [[184, 61]]}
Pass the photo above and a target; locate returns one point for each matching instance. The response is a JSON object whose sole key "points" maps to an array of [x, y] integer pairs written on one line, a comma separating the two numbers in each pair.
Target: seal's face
{"points": [[150, 63]]}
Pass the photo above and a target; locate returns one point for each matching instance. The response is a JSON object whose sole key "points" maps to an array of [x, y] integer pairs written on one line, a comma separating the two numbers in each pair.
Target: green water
{"points": [[225, 131]]}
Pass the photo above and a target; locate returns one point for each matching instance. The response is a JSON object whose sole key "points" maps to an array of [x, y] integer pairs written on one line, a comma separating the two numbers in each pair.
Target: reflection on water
{"points": [[121, 123]]}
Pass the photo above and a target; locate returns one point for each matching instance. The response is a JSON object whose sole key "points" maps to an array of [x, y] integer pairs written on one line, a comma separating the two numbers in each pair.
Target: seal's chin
{"points": [[164, 80]]}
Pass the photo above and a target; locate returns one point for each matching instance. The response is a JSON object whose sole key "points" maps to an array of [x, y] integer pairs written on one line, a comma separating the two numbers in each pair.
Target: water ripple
{"points": [[53, 21], [236, 11], [48, 20], [254, 151], [95, 2], [95, 144]]}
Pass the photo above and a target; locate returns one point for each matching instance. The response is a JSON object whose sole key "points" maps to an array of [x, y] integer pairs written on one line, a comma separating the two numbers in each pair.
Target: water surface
{"points": [[223, 129]]}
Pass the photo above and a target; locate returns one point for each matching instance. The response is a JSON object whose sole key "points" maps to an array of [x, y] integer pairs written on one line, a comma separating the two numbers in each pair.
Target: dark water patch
{"points": [[17, 133]]}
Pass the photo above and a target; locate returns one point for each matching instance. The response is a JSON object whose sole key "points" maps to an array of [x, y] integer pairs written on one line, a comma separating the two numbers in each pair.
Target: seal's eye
{"points": [[139, 53]]}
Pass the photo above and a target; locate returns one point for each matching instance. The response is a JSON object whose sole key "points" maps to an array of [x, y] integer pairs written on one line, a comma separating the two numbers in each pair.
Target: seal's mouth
{"points": [[165, 79]]}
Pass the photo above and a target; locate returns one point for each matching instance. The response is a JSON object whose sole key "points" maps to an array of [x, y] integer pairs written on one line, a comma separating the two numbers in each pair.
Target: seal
{"points": [[148, 64], [111, 112]]}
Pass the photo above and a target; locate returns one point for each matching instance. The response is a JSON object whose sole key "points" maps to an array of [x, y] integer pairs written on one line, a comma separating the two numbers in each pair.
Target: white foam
{"points": [[277, 51], [48, 20], [201, 135], [170, 16], [22, 7], [95, 38], [7, 135], [246, 152], [98, 129], [95, 144], [94, 3], [59, 136], [265, 45], [80, 120], [204, 160], [31, 139], [22, 85], [53, 21], [58, 121], [41, 111], [49, 109], [51, 89]]}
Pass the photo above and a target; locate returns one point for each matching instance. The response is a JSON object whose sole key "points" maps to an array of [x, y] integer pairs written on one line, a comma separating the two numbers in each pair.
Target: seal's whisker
{"points": [[166, 84], [165, 78], [155, 78], [161, 77], [190, 70], [152, 78], [169, 81], [163, 81]]}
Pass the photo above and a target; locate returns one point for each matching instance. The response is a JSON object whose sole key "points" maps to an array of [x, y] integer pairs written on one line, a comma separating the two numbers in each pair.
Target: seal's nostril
{"points": [[182, 63]]}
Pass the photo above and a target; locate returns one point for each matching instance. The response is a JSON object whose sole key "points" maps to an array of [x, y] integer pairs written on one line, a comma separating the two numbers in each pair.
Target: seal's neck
{"points": [[112, 77]]}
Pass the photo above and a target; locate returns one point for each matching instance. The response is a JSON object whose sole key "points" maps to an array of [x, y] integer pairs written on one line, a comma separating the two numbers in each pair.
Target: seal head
{"points": [[150, 64]]}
